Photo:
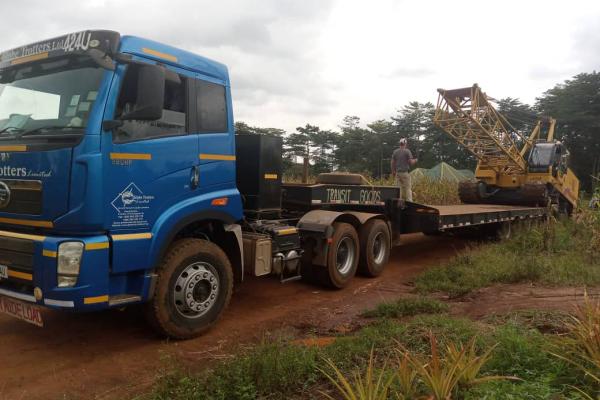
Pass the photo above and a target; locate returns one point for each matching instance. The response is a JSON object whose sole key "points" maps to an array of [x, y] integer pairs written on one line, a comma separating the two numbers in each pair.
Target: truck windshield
{"points": [[50, 98]]}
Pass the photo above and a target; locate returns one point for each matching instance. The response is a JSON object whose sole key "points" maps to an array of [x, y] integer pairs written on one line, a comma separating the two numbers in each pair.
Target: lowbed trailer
{"points": [[341, 225], [122, 182], [405, 217]]}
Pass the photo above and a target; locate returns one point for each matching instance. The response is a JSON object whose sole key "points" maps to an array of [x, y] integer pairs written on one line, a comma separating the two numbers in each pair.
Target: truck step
{"points": [[123, 299]]}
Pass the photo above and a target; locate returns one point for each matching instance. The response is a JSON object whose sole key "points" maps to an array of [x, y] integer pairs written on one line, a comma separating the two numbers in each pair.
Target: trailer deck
{"points": [[477, 214], [406, 217]]}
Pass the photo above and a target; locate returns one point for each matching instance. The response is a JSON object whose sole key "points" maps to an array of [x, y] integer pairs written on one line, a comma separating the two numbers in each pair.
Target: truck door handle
{"points": [[195, 178]]}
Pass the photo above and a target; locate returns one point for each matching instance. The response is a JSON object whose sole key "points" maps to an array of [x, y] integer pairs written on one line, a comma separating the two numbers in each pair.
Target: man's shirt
{"points": [[401, 158]]}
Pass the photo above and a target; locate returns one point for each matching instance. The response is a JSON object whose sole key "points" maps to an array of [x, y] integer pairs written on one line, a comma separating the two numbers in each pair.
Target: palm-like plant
{"points": [[438, 375], [370, 386], [582, 345]]}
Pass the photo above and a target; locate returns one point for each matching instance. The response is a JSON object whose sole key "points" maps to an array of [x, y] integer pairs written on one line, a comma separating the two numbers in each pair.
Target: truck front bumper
{"points": [[30, 265]]}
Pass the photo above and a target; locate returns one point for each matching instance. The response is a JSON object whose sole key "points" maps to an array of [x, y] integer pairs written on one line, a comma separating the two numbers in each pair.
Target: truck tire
{"points": [[342, 258], [193, 288], [374, 247]]}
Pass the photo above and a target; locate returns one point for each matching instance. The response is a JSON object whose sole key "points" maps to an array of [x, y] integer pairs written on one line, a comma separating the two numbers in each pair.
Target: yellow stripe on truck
{"points": [[20, 275], [26, 59], [133, 236], [95, 299], [96, 246], [159, 54], [27, 222], [130, 156], [36, 238], [15, 148], [49, 253], [219, 157]]}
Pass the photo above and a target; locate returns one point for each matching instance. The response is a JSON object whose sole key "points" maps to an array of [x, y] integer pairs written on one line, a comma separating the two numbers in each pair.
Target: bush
{"points": [[556, 253]]}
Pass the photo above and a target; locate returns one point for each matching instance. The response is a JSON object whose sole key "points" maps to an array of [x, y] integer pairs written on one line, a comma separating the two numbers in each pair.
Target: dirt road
{"points": [[115, 355]]}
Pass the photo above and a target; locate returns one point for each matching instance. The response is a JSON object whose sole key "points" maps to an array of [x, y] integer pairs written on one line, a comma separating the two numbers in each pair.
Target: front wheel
{"points": [[194, 286]]}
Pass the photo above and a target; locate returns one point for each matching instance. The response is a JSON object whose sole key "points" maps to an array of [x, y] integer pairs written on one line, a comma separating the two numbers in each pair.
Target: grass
{"points": [[557, 253], [406, 308], [280, 370]]}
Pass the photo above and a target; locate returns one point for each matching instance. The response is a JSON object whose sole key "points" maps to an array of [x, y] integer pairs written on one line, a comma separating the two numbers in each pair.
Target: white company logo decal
{"points": [[131, 205], [6, 171], [78, 41]]}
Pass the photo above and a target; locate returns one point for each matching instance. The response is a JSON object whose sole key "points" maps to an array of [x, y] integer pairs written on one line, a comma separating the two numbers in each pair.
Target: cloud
{"points": [[409, 72], [586, 45], [313, 61], [268, 45]]}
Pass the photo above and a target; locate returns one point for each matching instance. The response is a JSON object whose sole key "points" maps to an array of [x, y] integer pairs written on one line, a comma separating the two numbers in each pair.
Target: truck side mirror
{"points": [[150, 94]]}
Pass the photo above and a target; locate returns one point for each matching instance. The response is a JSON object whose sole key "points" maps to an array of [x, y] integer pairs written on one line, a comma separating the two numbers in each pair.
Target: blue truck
{"points": [[122, 183]]}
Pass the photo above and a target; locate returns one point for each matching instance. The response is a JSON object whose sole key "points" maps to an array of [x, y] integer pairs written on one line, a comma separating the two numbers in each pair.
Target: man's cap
{"points": [[402, 141]]}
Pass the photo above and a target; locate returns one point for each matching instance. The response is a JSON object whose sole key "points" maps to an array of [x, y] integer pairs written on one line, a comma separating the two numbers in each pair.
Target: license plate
{"points": [[21, 310], [3, 272]]}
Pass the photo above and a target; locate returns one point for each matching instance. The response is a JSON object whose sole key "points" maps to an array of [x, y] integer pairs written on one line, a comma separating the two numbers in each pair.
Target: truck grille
{"points": [[17, 255], [25, 197]]}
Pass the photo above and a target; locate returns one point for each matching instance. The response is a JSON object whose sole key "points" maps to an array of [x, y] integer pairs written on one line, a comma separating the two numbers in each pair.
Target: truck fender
{"points": [[235, 253], [363, 217], [173, 220], [318, 225]]}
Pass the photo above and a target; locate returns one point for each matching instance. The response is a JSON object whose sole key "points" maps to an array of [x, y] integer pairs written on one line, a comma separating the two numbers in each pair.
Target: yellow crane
{"points": [[512, 168]]}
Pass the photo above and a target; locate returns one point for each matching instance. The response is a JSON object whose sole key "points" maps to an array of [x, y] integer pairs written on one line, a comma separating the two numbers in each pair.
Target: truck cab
{"points": [[112, 149]]}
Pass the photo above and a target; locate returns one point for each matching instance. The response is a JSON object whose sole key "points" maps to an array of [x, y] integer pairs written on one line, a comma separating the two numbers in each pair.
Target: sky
{"points": [[316, 61]]}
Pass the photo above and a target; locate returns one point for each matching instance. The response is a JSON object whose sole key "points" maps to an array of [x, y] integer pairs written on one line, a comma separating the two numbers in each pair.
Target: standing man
{"points": [[402, 160]]}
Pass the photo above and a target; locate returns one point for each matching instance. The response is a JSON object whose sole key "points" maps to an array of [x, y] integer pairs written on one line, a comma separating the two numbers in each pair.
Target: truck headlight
{"points": [[69, 260]]}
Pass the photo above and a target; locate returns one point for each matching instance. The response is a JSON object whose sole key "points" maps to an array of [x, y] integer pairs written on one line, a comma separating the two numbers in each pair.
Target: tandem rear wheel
{"points": [[342, 259], [375, 245], [193, 288]]}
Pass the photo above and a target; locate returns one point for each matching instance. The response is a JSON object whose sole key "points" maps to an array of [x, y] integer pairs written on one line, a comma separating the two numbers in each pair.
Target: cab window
{"points": [[174, 115], [211, 107]]}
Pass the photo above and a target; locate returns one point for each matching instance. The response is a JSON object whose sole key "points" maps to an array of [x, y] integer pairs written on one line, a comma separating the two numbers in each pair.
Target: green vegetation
{"points": [[281, 370], [557, 253], [407, 308]]}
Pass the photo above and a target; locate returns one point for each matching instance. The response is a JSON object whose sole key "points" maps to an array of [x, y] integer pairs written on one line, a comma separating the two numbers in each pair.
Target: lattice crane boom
{"points": [[467, 116]]}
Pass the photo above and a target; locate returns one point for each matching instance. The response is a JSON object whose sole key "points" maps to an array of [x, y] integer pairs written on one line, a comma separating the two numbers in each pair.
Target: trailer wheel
{"points": [[505, 231], [342, 259], [194, 286], [496, 231], [374, 247]]}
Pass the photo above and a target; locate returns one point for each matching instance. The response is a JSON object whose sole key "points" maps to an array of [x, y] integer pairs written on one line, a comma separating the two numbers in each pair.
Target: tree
{"points": [[313, 143], [352, 147], [429, 143], [520, 116], [576, 106], [242, 128]]}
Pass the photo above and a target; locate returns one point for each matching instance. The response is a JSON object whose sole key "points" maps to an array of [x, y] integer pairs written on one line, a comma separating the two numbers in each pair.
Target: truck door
{"points": [[149, 165], [215, 134]]}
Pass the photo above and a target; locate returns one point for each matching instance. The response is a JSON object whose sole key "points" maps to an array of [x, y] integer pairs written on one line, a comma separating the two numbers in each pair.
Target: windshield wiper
{"points": [[49, 128], [7, 129]]}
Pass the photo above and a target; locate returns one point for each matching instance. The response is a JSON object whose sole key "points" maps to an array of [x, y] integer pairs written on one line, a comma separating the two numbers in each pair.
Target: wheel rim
{"points": [[379, 248], [196, 290], [345, 254]]}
